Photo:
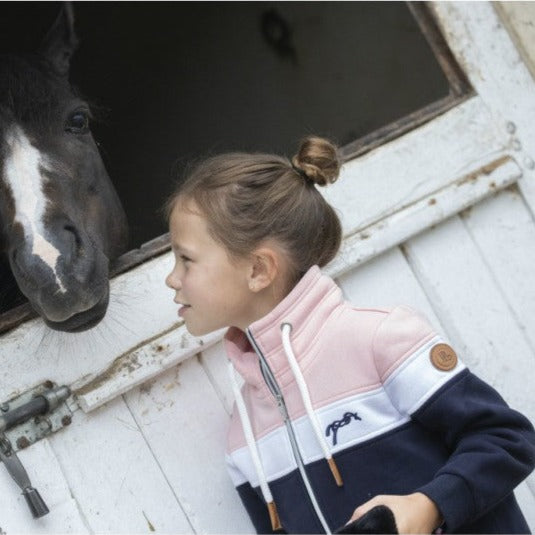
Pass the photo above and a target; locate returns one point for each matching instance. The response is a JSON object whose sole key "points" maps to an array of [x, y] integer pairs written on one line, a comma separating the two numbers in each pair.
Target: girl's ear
{"points": [[264, 268]]}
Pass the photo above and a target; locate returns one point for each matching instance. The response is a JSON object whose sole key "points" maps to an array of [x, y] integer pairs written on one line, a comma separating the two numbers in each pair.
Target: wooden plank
{"points": [[519, 19], [185, 425], [143, 363], [394, 229], [215, 363], [473, 311], [504, 231], [112, 474], [46, 476], [385, 282], [64, 518], [497, 72], [416, 165]]}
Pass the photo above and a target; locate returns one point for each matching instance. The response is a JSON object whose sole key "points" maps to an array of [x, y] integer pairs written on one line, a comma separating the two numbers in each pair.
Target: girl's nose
{"points": [[173, 281]]}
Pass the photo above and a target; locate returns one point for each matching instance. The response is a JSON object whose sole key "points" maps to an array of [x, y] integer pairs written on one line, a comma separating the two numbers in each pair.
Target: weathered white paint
{"points": [[185, 426], [503, 230], [368, 242], [388, 280], [113, 476], [141, 365], [413, 167], [451, 271], [469, 275], [495, 68], [46, 475], [23, 176], [519, 19]]}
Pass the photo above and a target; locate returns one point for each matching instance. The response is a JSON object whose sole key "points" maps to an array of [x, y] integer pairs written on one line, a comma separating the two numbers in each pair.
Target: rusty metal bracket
{"points": [[37, 413]]}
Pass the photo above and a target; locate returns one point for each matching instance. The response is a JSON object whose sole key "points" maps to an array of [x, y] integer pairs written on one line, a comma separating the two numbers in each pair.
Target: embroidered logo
{"points": [[348, 416]]}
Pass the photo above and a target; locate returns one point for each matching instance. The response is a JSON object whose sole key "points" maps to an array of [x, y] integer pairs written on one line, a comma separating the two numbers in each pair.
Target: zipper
{"points": [[275, 390]]}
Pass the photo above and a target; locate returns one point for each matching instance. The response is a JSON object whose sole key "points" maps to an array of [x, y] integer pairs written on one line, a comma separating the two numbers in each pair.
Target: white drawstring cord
{"points": [[253, 449], [286, 329]]}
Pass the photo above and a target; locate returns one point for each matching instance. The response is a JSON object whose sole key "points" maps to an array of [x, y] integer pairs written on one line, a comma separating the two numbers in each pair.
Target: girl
{"points": [[342, 408]]}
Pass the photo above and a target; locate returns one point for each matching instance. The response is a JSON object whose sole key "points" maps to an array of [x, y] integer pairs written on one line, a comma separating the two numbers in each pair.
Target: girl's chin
{"points": [[182, 310], [198, 330]]}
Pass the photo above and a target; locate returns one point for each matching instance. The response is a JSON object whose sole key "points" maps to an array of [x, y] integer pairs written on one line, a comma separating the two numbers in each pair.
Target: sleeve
{"points": [[254, 504], [492, 446]]}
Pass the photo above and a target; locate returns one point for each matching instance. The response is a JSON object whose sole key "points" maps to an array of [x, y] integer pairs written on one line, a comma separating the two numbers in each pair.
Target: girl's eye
{"points": [[78, 122], [185, 258]]}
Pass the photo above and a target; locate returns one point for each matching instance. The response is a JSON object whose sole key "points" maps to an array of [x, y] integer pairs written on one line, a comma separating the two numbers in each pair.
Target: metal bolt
{"points": [[4, 407], [66, 420], [22, 442], [515, 144], [529, 163], [511, 127]]}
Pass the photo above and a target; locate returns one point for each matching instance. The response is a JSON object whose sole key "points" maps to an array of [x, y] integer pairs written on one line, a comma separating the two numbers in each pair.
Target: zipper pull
{"points": [[282, 407]]}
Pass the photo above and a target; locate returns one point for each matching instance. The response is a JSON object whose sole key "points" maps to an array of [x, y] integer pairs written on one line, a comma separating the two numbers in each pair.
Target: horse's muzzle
{"points": [[72, 297], [82, 321]]}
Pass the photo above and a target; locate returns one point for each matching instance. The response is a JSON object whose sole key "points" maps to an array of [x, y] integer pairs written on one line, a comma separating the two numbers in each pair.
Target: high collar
{"points": [[306, 308]]}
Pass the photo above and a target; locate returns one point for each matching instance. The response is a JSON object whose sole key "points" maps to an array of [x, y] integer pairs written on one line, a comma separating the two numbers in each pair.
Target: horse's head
{"points": [[61, 220]]}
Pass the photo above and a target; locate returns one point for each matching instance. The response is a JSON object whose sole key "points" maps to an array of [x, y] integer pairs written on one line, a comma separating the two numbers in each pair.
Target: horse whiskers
{"points": [[123, 327]]}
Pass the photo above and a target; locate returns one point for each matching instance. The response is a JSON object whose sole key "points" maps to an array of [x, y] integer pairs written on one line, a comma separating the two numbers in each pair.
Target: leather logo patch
{"points": [[443, 357]]}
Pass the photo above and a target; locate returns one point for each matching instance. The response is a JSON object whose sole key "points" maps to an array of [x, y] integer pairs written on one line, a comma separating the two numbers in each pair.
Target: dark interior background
{"points": [[175, 81]]}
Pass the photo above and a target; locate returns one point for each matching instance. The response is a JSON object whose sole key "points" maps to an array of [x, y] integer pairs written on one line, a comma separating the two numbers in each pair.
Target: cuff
{"points": [[453, 498]]}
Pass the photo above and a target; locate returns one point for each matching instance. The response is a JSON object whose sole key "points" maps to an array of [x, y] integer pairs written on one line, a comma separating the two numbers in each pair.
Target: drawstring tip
{"points": [[335, 472], [274, 516]]}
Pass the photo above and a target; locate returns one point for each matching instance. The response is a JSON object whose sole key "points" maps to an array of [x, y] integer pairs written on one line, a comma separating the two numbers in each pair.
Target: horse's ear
{"points": [[60, 42]]}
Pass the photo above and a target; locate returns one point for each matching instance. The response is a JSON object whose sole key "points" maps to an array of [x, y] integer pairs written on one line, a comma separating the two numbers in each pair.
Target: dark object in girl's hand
{"points": [[380, 519]]}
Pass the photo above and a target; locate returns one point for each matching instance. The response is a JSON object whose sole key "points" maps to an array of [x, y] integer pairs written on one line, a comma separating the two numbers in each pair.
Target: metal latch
{"points": [[23, 421]]}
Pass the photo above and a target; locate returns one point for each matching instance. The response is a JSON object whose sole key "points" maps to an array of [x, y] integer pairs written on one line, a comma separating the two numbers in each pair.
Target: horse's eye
{"points": [[78, 122]]}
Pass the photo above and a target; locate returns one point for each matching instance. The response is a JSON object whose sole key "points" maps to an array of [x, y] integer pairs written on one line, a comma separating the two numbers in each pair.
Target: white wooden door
{"points": [[440, 219]]}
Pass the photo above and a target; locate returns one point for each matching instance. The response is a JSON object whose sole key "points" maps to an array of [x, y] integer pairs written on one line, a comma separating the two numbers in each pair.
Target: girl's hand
{"points": [[414, 513]]}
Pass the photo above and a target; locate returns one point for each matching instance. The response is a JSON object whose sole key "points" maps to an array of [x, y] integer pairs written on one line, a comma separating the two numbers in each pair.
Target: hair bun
{"points": [[318, 159]]}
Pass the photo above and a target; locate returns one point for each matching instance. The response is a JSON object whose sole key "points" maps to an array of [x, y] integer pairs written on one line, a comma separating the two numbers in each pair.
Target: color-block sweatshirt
{"points": [[374, 400]]}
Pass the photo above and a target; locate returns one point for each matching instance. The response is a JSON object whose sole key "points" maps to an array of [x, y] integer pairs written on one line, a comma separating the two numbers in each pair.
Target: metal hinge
{"points": [[24, 420]]}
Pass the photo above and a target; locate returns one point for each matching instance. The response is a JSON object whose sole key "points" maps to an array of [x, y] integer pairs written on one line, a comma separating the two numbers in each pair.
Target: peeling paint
{"points": [[128, 361]]}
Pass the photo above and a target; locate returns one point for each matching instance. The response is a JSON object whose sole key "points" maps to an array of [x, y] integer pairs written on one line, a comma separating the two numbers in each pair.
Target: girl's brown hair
{"points": [[249, 198]]}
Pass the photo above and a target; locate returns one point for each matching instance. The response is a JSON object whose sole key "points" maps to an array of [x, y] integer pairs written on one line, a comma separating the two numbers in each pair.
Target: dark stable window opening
{"points": [[172, 82]]}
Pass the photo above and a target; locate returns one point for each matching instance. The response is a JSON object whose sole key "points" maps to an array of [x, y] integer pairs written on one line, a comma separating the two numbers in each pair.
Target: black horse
{"points": [[61, 220]]}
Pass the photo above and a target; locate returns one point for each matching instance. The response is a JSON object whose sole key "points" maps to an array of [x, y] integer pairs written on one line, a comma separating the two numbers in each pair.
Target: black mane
{"points": [[29, 90]]}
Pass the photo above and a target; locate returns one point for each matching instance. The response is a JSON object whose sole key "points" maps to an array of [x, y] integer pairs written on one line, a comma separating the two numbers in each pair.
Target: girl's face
{"points": [[211, 289]]}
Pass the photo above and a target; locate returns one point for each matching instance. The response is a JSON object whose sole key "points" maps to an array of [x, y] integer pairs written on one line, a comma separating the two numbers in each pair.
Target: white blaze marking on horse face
{"points": [[26, 183]]}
